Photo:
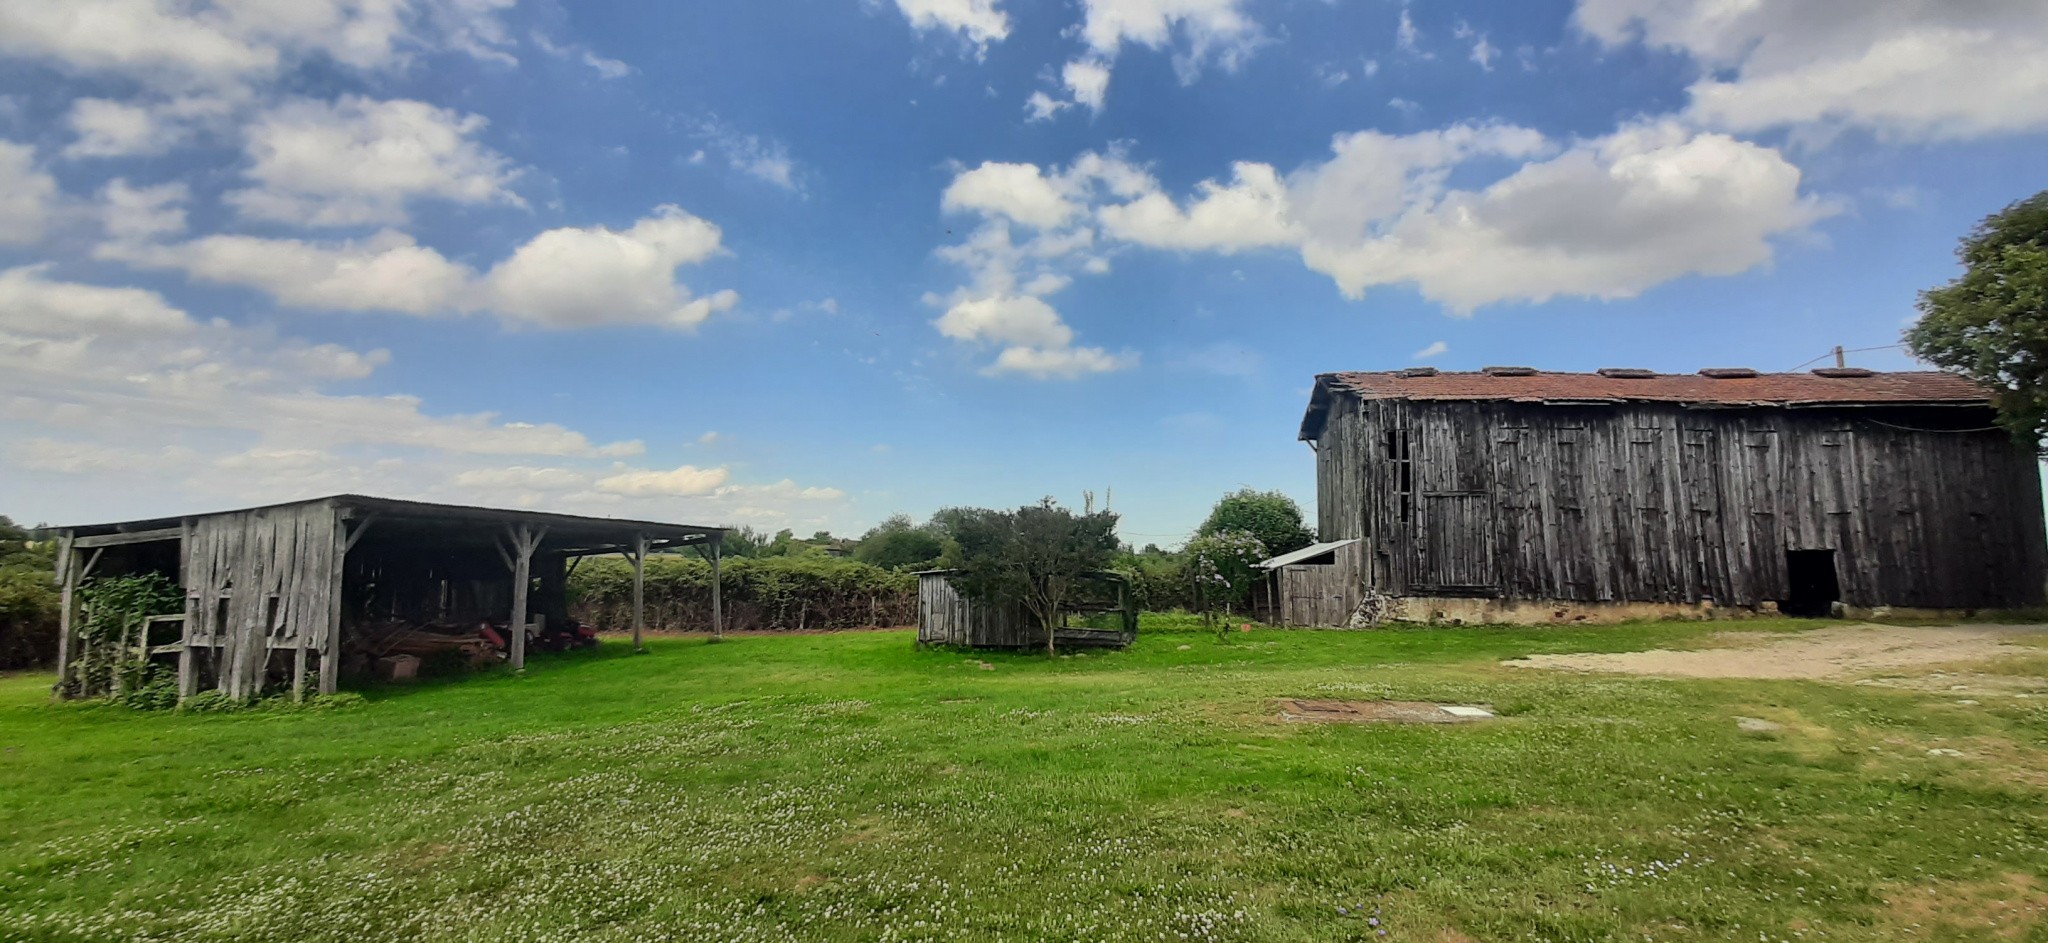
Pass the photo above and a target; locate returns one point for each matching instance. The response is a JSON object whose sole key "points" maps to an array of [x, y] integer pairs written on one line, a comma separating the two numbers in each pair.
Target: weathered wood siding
{"points": [[945, 616], [1661, 503], [1319, 594], [261, 580]]}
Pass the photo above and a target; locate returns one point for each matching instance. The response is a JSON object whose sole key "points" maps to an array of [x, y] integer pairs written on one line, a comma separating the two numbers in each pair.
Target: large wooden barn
{"points": [[280, 597], [1520, 495]]}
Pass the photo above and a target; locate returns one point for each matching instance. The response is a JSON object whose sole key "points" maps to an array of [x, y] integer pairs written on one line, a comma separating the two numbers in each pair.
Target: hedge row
{"points": [[757, 593]]}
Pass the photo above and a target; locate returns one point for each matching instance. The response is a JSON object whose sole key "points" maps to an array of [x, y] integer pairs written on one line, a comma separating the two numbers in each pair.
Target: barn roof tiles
{"points": [[1718, 387]]}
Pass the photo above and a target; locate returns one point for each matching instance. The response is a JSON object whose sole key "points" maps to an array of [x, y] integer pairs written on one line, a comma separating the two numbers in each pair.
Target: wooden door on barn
{"points": [[1455, 527]]}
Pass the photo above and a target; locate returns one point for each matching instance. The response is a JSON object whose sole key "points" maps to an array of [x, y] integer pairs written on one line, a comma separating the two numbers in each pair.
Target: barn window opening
{"points": [[1815, 588], [1404, 472]]}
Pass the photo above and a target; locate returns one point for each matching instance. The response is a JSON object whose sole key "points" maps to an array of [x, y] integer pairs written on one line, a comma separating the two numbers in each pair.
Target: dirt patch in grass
{"points": [[1373, 712], [2009, 907], [1841, 652]]}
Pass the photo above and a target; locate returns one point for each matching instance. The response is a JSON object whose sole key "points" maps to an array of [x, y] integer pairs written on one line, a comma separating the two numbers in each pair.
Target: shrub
{"points": [[784, 592]]}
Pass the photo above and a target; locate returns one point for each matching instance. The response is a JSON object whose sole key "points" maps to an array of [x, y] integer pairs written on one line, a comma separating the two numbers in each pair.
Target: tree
{"points": [[1991, 324], [897, 543], [1270, 516], [1224, 567], [1033, 555]]}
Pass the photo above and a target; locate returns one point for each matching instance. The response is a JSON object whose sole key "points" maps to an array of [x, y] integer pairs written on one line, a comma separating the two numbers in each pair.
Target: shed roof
{"points": [[567, 526], [1312, 550], [1724, 388]]}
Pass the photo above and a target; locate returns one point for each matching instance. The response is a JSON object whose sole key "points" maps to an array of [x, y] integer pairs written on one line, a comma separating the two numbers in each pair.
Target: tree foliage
{"points": [[28, 599], [1270, 516], [1034, 555], [1991, 324], [900, 544], [1223, 567]]}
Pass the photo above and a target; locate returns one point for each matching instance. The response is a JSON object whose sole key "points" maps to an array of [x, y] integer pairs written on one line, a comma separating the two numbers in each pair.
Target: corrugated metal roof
{"points": [[1312, 550]]}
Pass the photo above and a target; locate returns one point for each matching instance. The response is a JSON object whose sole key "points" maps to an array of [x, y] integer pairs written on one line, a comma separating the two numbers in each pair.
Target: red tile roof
{"points": [[1767, 389]]}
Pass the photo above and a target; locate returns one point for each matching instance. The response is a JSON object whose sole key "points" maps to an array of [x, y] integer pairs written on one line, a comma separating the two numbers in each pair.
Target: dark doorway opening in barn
{"points": [[1811, 574]]}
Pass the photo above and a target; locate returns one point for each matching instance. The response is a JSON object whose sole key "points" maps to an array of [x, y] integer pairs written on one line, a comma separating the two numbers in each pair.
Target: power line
{"points": [[1850, 350]]}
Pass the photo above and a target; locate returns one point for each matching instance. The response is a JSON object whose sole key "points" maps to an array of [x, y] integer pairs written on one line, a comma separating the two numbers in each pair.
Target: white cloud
{"points": [[1059, 363], [386, 272], [1608, 218], [1020, 192], [764, 159], [682, 481], [227, 42], [1042, 107], [1249, 212], [27, 195], [1434, 350], [108, 128], [1406, 37], [1020, 320], [137, 215], [359, 161], [34, 306], [979, 22], [522, 478], [1197, 29], [710, 438], [567, 277], [1910, 69], [576, 52], [1088, 82], [578, 277]]}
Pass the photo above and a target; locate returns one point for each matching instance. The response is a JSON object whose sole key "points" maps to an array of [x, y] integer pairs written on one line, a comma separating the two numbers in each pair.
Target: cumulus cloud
{"points": [[1607, 218], [1020, 192], [577, 277], [1006, 320], [32, 305], [1434, 350], [219, 43], [1058, 363], [359, 161], [1249, 212], [1906, 69], [562, 278], [682, 481], [978, 22], [1195, 32], [141, 215], [27, 195]]}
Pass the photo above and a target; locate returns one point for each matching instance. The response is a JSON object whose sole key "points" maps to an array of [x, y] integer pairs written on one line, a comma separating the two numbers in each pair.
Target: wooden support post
{"points": [[67, 563], [717, 610], [525, 538], [639, 557], [345, 538], [299, 671]]}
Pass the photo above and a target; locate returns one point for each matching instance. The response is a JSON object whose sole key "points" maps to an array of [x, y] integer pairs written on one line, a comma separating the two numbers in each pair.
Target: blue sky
{"points": [[808, 264]]}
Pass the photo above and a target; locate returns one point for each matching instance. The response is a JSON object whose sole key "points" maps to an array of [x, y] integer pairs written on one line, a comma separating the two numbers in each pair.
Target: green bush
{"points": [[28, 600], [785, 592]]}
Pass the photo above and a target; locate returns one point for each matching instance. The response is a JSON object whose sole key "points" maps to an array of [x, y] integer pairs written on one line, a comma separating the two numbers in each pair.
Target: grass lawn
{"points": [[851, 787]]}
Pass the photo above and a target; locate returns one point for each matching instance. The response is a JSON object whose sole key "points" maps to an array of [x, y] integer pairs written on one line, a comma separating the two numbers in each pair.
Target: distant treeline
{"points": [[28, 600]]}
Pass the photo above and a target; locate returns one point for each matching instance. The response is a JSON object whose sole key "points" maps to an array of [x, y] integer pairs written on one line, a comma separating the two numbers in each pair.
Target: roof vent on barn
{"points": [[1627, 373], [1509, 371], [1419, 372], [1843, 373], [1728, 373]]}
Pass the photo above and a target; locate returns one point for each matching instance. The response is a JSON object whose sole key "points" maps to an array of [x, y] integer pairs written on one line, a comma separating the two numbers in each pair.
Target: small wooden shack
{"points": [[276, 595], [1314, 586], [1105, 615], [1515, 494]]}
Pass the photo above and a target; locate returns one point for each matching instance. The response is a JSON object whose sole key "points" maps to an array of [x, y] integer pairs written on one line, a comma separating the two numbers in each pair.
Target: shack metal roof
{"points": [[567, 524], [1312, 550], [1715, 388]]}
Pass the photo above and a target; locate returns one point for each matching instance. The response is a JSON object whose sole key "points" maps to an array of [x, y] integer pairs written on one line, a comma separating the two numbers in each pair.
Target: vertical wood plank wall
{"points": [[257, 581], [1319, 594], [947, 617], [1655, 503]]}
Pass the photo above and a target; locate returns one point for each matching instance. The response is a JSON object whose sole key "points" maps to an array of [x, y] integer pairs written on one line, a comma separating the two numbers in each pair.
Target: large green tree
{"points": [[898, 543], [1991, 324], [1270, 516], [1035, 555]]}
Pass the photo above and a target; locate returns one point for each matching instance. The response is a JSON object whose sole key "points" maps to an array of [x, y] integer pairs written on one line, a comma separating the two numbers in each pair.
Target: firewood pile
{"points": [[395, 637]]}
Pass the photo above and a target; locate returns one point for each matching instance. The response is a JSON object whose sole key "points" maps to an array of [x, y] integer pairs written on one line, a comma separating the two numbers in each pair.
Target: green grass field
{"points": [[851, 787]]}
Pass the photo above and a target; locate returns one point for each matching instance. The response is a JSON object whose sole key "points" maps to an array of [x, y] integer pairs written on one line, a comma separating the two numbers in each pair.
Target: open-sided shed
{"points": [[275, 595], [1104, 613]]}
